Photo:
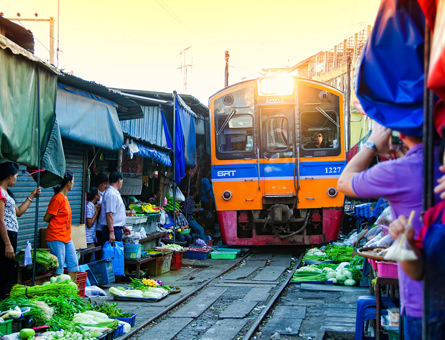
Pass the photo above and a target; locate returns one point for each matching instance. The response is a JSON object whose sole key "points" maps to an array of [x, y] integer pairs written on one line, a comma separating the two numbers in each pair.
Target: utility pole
{"points": [[51, 33], [184, 66], [226, 72]]}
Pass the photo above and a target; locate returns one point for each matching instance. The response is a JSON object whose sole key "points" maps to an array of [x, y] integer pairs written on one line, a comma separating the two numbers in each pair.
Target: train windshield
{"points": [[234, 125]]}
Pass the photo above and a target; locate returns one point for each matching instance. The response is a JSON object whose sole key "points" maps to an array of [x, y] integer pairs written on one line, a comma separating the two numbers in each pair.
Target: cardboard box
{"points": [[78, 236]]}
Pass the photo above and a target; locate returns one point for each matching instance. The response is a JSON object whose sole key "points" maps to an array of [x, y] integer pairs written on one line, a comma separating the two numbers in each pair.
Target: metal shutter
{"points": [[75, 154]]}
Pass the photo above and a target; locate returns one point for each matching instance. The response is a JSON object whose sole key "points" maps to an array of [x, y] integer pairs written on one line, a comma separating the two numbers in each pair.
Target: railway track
{"points": [[232, 303]]}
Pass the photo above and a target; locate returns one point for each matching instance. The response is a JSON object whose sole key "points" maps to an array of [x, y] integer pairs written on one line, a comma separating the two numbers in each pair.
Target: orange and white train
{"points": [[277, 150]]}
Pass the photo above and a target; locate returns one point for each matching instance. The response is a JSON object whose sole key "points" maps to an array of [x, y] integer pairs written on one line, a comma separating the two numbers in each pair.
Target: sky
{"points": [[167, 45]]}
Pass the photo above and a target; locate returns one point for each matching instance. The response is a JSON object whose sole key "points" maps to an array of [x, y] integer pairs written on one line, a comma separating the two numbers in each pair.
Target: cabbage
{"points": [[340, 277], [62, 278], [348, 274], [331, 275], [349, 282]]}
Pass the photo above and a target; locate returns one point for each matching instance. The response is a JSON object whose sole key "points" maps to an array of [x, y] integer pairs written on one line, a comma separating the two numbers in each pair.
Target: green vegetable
{"points": [[52, 289], [53, 279], [111, 309], [26, 333], [43, 257]]}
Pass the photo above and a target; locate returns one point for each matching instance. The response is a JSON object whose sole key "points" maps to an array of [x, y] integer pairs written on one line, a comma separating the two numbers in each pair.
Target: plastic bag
{"points": [[28, 256], [92, 291], [385, 217], [401, 250], [116, 251]]}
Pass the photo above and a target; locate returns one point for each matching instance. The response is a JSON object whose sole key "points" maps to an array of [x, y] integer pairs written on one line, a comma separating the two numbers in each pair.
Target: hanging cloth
{"points": [[389, 76]]}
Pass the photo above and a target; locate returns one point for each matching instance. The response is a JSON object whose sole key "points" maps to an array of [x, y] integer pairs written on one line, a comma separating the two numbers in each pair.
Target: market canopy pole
{"points": [[36, 220], [174, 166]]}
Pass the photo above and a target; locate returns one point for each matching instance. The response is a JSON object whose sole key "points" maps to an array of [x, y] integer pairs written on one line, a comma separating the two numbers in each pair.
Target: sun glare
{"points": [[279, 84]]}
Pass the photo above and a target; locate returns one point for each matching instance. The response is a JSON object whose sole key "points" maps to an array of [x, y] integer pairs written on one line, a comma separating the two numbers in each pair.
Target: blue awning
{"points": [[88, 119], [147, 152]]}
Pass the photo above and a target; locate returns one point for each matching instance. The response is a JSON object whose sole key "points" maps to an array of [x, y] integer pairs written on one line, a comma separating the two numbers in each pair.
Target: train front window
{"points": [[320, 132], [234, 125]]}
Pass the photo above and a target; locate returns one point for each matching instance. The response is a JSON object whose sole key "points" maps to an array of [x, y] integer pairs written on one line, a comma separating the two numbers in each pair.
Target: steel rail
{"points": [[272, 301], [181, 300]]}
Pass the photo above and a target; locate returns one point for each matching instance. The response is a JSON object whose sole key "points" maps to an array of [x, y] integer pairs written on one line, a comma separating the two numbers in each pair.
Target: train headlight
{"points": [[332, 192], [227, 195], [279, 84]]}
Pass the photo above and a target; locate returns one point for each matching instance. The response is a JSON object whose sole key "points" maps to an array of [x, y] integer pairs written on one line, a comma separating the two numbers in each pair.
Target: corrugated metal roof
{"points": [[148, 129], [5, 43], [127, 108], [17, 33], [194, 104]]}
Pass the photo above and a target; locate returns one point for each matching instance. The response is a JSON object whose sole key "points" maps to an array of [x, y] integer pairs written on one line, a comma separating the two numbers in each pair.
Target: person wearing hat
{"points": [[9, 225]]}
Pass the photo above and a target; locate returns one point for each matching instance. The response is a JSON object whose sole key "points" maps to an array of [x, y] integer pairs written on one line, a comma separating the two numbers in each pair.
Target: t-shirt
{"points": [[112, 202], [10, 214], [59, 227], [400, 182], [91, 231]]}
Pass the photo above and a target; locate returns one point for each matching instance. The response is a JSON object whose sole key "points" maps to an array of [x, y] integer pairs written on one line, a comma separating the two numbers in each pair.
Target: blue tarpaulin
{"points": [[389, 75], [179, 144], [86, 119], [156, 155]]}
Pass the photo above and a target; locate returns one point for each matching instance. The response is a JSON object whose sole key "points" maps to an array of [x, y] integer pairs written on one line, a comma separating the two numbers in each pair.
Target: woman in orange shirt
{"points": [[58, 235]]}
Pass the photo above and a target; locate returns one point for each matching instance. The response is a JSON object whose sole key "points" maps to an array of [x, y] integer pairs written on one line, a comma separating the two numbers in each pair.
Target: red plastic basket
{"points": [[176, 260], [387, 269], [81, 282]]}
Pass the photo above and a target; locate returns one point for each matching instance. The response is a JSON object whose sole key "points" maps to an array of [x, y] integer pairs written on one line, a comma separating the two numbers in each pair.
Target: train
{"points": [[277, 150]]}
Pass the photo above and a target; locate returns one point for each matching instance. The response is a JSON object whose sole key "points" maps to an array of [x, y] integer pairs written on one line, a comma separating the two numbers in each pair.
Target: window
{"points": [[234, 125], [236, 134], [320, 132]]}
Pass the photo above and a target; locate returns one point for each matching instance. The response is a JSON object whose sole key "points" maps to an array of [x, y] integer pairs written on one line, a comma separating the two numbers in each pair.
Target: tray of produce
{"points": [[140, 299], [375, 253]]}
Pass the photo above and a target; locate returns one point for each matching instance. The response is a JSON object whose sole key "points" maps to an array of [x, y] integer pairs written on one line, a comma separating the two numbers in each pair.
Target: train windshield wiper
{"points": [[319, 109], [229, 117]]}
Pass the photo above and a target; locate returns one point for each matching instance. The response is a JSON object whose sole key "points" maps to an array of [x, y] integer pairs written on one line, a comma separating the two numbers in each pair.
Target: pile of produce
{"points": [[56, 304], [335, 264], [43, 257], [144, 208], [168, 247], [336, 253], [170, 206], [146, 293]]}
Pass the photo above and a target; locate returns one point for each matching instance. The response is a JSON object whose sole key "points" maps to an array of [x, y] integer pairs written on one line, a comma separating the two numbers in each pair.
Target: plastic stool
{"points": [[366, 310]]}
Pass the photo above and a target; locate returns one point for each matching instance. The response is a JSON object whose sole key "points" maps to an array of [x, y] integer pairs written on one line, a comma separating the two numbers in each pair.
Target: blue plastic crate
{"points": [[119, 331], [196, 255], [103, 271], [132, 251]]}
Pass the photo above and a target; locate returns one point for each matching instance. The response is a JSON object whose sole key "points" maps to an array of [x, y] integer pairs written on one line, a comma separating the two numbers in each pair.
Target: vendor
{"points": [[9, 225], [58, 235]]}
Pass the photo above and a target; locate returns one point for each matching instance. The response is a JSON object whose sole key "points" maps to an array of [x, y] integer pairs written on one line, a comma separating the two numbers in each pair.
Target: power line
{"points": [[170, 12]]}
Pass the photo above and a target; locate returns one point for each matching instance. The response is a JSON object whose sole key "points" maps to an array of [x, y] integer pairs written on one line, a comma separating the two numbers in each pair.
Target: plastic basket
{"points": [[223, 255], [119, 331], [132, 251], [373, 263], [107, 336], [6, 327], [197, 253], [81, 282], [176, 263], [102, 271], [387, 269], [130, 320]]}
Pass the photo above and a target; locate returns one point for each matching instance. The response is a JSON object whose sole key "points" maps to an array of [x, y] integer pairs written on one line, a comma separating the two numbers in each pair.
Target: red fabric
{"points": [[2, 197], [439, 117], [429, 8], [436, 73], [428, 219]]}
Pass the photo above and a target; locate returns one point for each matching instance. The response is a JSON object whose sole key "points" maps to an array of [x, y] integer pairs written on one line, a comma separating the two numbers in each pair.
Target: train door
{"points": [[277, 168]]}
